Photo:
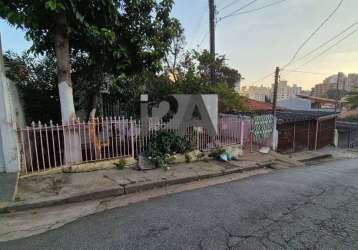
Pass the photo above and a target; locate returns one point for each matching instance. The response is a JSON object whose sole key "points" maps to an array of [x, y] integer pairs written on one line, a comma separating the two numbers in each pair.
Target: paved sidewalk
{"points": [[23, 224], [63, 188], [8, 186], [106, 189], [301, 208]]}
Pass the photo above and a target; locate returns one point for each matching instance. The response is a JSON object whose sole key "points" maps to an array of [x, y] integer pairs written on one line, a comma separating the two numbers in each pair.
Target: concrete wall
{"points": [[2, 160], [16, 105], [9, 153], [348, 138]]}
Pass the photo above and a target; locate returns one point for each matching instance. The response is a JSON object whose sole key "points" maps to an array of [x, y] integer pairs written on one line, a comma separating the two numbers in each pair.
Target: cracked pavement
{"points": [[301, 208]]}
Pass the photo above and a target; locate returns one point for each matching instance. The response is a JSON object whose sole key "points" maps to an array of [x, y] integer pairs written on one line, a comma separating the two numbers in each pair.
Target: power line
{"points": [[329, 48], [322, 45], [203, 39], [198, 27], [306, 72], [229, 4], [316, 31], [260, 8], [265, 77], [325, 51], [238, 10]]}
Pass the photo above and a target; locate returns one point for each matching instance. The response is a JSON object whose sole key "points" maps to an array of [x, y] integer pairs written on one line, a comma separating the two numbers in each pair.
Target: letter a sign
{"points": [[193, 110]]}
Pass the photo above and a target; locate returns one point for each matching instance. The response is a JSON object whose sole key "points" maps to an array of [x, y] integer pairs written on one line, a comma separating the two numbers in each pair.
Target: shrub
{"points": [[121, 164], [164, 145]]}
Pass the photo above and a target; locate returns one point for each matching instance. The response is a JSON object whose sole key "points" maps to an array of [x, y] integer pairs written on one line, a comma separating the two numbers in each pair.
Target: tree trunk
{"points": [[93, 107], [62, 49]]}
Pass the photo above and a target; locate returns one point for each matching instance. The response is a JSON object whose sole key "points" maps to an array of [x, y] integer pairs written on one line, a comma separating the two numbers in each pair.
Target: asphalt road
{"points": [[301, 208]]}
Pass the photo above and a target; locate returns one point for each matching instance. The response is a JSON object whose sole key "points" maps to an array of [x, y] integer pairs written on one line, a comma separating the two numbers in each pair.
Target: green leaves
{"points": [[36, 80], [54, 5], [353, 98], [164, 145], [121, 36], [229, 100]]}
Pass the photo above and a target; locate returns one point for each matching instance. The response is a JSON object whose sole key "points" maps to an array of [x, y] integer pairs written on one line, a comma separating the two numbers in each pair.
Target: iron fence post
{"points": [[242, 132], [132, 136]]}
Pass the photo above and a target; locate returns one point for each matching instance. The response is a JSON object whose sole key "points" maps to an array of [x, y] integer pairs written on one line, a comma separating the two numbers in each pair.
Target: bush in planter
{"points": [[164, 145]]}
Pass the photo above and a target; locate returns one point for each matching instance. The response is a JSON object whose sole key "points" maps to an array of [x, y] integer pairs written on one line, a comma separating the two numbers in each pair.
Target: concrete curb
{"points": [[125, 189], [315, 158], [55, 202]]}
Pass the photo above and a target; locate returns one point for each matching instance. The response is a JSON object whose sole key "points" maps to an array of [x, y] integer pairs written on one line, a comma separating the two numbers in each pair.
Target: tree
{"points": [[353, 98], [117, 35], [174, 53], [120, 37], [195, 78], [229, 100], [223, 73], [51, 25], [88, 78], [333, 94], [36, 80]]}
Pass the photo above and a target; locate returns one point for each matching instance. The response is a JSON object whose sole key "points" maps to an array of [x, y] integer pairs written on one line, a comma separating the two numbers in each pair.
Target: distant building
{"points": [[341, 81], [352, 82], [331, 82], [284, 91], [295, 90], [306, 92], [320, 90], [237, 87], [262, 94], [258, 93], [344, 83]]}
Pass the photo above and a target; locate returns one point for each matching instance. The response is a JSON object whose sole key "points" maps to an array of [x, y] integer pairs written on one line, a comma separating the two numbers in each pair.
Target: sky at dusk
{"points": [[257, 42]]}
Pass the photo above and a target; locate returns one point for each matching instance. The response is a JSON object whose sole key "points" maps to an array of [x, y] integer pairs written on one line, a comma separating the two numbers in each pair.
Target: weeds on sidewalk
{"points": [[121, 164]]}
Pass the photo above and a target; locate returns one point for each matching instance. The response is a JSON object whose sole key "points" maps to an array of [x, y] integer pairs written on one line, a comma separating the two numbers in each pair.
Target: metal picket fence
{"points": [[47, 146]]}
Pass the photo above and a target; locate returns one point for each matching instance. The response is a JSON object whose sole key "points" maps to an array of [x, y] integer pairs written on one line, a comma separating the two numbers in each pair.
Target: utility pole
{"points": [[274, 99], [274, 122], [212, 36]]}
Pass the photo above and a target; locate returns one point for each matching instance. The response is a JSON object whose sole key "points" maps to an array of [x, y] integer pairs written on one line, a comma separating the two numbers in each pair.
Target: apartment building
{"points": [[320, 89], [352, 81], [258, 93], [284, 91]]}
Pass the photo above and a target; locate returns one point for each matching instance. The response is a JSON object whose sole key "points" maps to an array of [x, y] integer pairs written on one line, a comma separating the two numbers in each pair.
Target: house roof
{"points": [[319, 99], [342, 126], [290, 116], [302, 115], [284, 115], [254, 105]]}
